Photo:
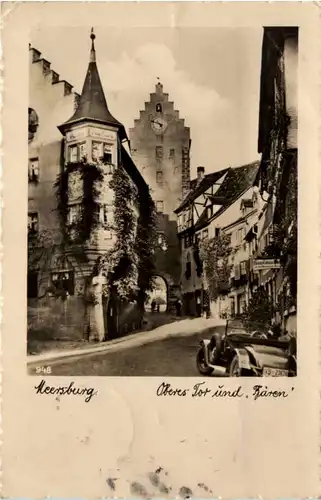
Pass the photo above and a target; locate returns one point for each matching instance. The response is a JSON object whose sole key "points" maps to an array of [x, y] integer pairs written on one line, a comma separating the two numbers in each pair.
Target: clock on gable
{"points": [[158, 124]]}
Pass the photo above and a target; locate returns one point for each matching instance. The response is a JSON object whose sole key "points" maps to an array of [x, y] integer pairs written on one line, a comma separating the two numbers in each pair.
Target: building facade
{"points": [[160, 146], [86, 202], [212, 204], [274, 241]]}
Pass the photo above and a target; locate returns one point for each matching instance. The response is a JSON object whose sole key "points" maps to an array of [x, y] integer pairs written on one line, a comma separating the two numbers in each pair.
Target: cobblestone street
{"points": [[172, 357]]}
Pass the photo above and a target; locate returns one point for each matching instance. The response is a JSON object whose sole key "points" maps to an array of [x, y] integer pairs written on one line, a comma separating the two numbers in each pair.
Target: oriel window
{"points": [[73, 153], [107, 156], [82, 151], [96, 150]]}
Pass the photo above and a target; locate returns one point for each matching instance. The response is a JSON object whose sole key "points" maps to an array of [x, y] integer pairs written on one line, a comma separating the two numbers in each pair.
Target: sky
{"points": [[211, 74]]}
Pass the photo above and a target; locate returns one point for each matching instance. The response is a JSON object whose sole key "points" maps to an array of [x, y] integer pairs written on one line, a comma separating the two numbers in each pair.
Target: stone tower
{"points": [[160, 146]]}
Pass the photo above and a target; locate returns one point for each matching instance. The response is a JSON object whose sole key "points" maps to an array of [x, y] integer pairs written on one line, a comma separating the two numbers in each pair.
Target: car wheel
{"points": [[235, 369], [201, 364]]}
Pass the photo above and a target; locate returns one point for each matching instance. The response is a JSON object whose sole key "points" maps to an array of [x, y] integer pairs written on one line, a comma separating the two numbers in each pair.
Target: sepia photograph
{"points": [[162, 201]]}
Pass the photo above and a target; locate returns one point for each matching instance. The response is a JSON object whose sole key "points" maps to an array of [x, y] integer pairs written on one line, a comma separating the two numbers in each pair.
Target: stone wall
{"points": [[54, 319]]}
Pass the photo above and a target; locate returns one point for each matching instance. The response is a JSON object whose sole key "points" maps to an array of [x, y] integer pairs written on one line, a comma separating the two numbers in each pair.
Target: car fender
{"points": [[254, 355], [243, 357], [204, 345]]}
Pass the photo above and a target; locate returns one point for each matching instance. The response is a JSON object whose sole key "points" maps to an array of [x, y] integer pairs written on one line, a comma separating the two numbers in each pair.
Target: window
{"points": [[73, 213], [159, 206], [105, 214], [232, 306], [217, 232], [187, 241], [239, 236], [159, 108], [33, 223], [33, 123], [205, 234], [108, 156], [33, 173], [159, 177], [63, 281], [188, 267], [243, 268], [32, 285], [108, 235], [96, 150], [73, 153], [82, 150], [159, 152], [172, 154]]}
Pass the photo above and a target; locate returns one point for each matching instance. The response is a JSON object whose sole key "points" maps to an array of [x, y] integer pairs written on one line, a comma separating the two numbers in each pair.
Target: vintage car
{"points": [[247, 353]]}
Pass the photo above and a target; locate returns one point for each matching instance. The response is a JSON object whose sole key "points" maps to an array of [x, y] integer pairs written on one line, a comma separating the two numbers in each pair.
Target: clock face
{"points": [[158, 124]]}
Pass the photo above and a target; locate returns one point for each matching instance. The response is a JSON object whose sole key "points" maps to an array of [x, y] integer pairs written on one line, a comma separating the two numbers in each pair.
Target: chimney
{"points": [[200, 173]]}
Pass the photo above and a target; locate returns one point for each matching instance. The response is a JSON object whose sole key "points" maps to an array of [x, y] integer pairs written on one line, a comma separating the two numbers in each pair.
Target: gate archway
{"points": [[159, 294]]}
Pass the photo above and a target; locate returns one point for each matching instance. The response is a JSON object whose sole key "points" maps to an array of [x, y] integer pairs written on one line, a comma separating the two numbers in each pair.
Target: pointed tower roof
{"points": [[92, 104]]}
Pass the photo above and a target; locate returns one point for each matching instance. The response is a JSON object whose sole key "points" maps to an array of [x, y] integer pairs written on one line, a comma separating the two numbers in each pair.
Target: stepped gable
{"points": [[237, 181], [92, 103], [52, 75], [198, 189]]}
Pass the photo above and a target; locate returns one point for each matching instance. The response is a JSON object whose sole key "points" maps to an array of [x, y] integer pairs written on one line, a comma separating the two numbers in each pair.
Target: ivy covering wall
{"points": [[87, 219], [215, 253], [130, 264]]}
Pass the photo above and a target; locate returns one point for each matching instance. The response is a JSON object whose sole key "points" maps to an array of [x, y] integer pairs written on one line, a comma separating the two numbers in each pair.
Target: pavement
{"points": [[164, 349]]}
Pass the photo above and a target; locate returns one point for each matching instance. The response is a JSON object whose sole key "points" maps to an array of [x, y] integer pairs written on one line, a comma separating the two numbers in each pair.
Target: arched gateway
{"points": [[159, 295]]}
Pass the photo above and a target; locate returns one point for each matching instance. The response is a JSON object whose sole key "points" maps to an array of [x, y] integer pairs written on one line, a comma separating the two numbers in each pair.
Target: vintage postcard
{"points": [[160, 235]]}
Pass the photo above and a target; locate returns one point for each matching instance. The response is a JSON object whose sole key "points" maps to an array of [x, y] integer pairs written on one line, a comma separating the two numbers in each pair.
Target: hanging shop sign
{"points": [[266, 264]]}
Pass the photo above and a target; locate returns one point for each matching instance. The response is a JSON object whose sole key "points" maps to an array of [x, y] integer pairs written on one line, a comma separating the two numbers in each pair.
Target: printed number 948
{"points": [[43, 369]]}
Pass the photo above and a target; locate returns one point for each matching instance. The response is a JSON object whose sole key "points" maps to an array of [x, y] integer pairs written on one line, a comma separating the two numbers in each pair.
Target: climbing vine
{"points": [[215, 253], [79, 231], [259, 312], [129, 265], [145, 243], [123, 271]]}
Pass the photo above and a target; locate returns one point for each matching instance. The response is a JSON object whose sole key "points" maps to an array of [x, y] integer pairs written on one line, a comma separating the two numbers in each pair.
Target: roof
{"points": [[198, 189], [92, 104], [237, 181]]}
